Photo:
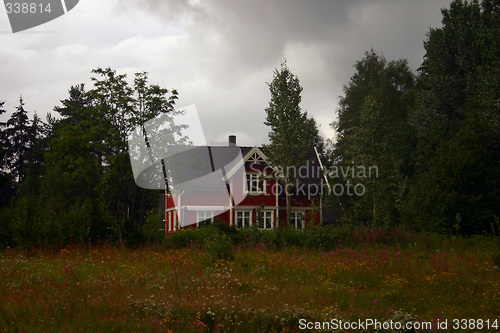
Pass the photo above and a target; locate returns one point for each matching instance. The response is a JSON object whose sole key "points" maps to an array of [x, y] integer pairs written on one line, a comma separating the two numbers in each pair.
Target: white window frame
{"points": [[268, 216], [254, 179], [203, 215], [295, 217], [243, 216]]}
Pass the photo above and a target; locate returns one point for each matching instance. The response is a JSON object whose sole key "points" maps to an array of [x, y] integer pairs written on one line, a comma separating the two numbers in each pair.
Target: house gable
{"points": [[255, 155]]}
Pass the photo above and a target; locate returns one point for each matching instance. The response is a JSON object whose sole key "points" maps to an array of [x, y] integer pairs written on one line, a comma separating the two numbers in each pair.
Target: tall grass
{"points": [[274, 279]]}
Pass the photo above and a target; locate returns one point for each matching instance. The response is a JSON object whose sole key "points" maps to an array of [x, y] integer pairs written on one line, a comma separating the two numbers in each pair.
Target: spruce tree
{"points": [[17, 143]]}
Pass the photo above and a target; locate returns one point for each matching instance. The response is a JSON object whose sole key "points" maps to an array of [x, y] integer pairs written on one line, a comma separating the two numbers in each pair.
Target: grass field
{"points": [[263, 289]]}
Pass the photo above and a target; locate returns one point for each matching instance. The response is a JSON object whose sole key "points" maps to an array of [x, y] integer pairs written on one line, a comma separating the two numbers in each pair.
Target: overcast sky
{"points": [[218, 54]]}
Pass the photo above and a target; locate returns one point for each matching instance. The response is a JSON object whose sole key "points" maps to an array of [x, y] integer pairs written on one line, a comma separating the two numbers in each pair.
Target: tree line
{"points": [[434, 135], [70, 179]]}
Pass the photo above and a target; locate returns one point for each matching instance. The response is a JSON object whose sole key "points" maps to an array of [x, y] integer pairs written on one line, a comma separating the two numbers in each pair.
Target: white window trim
{"points": [[199, 213], [248, 189], [249, 211], [296, 215], [264, 212], [256, 158]]}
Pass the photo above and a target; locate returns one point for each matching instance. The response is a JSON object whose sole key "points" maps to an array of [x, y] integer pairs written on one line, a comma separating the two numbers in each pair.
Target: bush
{"points": [[151, 229], [220, 247], [189, 237]]}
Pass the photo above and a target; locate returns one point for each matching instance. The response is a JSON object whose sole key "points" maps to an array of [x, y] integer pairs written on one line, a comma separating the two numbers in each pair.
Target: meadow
{"points": [[250, 281]]}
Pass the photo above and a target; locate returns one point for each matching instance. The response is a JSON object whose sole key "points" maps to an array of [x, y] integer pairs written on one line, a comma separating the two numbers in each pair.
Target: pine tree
{"points": [[6, 185], [17, 142]]}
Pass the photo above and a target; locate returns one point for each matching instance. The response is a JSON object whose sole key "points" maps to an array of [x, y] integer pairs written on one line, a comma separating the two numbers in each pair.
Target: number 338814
{"points": [[27, 8]]}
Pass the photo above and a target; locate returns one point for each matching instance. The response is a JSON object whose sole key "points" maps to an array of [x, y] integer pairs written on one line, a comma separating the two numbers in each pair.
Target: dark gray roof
{"points": [[197, 161]]}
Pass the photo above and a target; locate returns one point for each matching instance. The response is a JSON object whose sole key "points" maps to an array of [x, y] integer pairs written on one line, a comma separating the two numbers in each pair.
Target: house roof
{"points": [[208, 165]]}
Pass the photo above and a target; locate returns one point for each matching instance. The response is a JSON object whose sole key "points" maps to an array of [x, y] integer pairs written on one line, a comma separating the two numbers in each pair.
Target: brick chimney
{"points": [[232, 140]]}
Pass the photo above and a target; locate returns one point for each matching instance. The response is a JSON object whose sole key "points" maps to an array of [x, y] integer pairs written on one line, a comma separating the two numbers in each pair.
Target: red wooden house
{"points": [[229, 183]]}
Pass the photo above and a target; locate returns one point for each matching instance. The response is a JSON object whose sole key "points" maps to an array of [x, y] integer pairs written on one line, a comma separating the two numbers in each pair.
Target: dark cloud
{"points": [[219, 54], [321, 39]]}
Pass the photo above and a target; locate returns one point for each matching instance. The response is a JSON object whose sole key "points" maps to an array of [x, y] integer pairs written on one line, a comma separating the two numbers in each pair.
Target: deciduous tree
{"points": [[373, 133], [457, 121], [292, 131]]}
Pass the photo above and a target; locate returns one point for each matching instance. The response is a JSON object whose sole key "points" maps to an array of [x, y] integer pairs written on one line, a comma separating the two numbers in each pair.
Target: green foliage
{"points": [[325, 238], [435, 140], [6, 179], [292, 131], [457, 121], [73, 176], [220, 247], [151, 230], [223, 228], [22, 151], [40, 222], [373, 133], [189, 237]]}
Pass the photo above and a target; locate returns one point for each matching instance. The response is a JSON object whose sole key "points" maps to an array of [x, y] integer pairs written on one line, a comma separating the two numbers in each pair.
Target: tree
{"points": [[292, 131], [372, 132], [126, 108], [37, 137], [89, 165], [22, 142], [75, 166], [83, 186], [6, 184], [457, 121], [17, 142]]}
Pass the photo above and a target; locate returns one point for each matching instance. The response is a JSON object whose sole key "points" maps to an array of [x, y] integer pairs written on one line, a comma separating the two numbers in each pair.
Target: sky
{"points": [[218, 54]]}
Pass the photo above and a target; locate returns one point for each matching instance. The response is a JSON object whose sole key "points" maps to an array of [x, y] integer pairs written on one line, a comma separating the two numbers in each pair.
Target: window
{"points": [[171, 220], [243, 218], [267, 218], [254, 184], [204, 215], [296, 220]]}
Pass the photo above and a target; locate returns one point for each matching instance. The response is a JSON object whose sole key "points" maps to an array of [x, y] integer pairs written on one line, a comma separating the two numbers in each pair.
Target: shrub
{"points": [[224, 228], [189, 237], [220, 247], [151, 230]]}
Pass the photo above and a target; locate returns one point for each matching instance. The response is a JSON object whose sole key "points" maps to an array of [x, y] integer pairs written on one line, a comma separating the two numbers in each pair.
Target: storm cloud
{"points": [[219, 54]]}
